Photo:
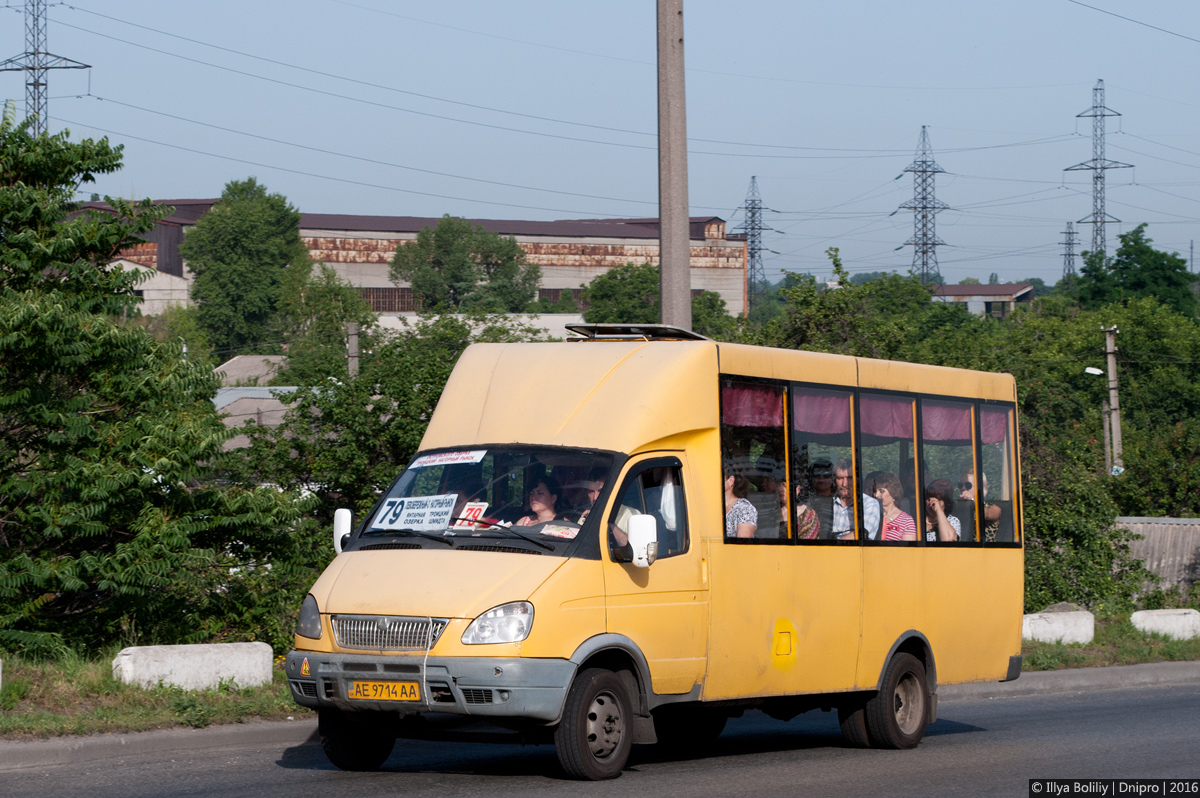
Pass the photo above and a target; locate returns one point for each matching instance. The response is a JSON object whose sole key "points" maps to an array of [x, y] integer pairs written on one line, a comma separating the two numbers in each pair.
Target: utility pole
{"points": [[35, 62], [1097, 166], [352, 348], [1106, 414], [925, 206], [675, 247], [1069, 250], [1114, 403], [753, 227]]}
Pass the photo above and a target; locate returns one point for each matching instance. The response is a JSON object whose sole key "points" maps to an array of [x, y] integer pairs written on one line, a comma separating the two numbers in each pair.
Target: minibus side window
{"points": [[656, 489], [947, 452], [887, 438], [828, 502], [753, 446], [998, 506]]}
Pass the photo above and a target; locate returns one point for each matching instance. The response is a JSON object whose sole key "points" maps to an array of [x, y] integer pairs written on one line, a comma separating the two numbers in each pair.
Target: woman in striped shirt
{"points": [[897, 524]]}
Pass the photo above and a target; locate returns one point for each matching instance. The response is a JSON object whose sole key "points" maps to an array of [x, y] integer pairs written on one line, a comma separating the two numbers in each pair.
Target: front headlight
{"points": [[309, 622], [508, 623]]}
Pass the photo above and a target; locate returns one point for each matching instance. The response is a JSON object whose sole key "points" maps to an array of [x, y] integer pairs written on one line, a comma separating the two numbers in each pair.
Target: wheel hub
{"points": [[605, 726], [908, 704]]}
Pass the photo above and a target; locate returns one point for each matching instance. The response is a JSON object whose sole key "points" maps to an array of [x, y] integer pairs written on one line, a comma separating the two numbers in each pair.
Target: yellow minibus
{"points": [[630, 536]]}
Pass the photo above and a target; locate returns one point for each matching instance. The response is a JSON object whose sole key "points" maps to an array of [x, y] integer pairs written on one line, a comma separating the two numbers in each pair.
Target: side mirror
{"points": [[643, 540], [342, 521]]}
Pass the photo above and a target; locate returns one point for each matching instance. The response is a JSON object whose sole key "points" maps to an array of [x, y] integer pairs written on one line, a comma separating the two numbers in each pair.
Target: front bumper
{"points": [[484, 686]]}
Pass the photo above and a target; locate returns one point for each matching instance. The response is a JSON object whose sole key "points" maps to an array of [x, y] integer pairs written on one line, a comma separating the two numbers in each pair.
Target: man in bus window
{"points": [[843, 506]]}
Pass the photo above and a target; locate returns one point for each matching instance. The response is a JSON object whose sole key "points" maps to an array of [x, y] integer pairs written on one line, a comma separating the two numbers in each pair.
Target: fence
{"points": [[1170, 547]]}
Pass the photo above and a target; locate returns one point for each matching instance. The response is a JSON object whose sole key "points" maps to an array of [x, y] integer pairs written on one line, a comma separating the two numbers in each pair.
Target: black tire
{"points": [[354, 741], [688, 727], [596, 731], [897, 715], [852, 717]]}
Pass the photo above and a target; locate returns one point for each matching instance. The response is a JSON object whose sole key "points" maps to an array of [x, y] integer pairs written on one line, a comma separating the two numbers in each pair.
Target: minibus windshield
{"points": [[540, 496]]}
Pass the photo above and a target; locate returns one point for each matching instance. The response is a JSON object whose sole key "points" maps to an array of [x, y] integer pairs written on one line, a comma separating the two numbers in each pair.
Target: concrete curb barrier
{"points": [[1059, 627], [195, 667], [1176, 624], [74, 750]]}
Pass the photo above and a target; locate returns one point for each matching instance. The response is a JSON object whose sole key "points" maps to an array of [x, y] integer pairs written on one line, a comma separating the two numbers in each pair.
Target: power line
{"points": [[362, 158], [1135, 21]]}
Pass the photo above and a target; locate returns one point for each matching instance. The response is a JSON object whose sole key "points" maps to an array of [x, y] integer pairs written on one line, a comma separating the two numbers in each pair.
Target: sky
{"points": [[546, 109]]}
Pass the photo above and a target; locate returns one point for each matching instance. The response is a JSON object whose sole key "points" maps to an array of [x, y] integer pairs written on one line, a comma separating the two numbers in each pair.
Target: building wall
{"points": [[716, 264]]}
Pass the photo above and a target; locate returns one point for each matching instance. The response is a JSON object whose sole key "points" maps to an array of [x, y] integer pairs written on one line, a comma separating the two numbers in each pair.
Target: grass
{"points": [[74, 695], [1117, 642]]}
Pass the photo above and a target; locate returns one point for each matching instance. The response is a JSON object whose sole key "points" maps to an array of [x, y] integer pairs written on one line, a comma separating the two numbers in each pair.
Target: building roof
{"points": [[249, 369], [1009, 290], [227, 396], [188, 211]]}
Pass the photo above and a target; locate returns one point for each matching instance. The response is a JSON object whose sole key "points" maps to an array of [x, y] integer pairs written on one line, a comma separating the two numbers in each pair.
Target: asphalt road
{"points": [[977, 748]]}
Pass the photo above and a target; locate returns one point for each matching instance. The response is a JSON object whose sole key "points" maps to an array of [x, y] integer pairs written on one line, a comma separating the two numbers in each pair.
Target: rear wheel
{"points": [[355, 741], [595, 734], [896, 716], [852, 717]]}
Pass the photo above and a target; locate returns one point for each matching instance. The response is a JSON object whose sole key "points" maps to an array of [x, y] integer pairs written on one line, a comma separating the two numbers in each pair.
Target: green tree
{"points": [[458, 266], [625, 295], [111, 525], [969, 281], [629, 294], [240, 252], [866, 277], [314, 308], [878, 318], [1136, 270], [1040, 289]]}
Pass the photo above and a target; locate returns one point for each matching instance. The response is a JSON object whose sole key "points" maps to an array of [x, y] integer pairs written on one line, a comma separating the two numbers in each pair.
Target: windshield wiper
{"points": [[543, 544], [439, 538]]}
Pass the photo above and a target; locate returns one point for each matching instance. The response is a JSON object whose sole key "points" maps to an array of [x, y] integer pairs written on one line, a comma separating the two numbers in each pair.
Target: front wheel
{"points": [[595, 734], [896, 716], [354, 741]]}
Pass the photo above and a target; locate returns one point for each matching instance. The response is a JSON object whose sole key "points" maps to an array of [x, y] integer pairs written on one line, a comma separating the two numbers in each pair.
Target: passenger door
{"points": [[663, 609]]}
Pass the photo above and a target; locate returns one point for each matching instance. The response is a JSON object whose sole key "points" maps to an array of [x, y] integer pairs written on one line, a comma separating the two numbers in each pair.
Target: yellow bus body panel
{"points": [[730, 621]]}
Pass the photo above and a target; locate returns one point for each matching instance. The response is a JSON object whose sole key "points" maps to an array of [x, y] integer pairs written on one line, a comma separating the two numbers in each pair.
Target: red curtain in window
{"points": [[994, 421], [749, 405], [943, 421], [886, 416], [821, 412]]}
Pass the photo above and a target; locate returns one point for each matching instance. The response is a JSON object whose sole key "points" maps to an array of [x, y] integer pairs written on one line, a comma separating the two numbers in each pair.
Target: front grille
{"points": [[306, 689], [477, 696], [374, 546], [386, 632]]}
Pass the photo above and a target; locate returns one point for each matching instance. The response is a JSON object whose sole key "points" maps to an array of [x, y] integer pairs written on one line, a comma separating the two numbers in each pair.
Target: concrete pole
{"points": [[1110, 349], [352, 348], [1106, 416], [675, 280]]}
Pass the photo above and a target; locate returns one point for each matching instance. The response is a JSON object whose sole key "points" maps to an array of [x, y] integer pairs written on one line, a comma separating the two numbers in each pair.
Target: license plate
{"points": [[385, 691]]}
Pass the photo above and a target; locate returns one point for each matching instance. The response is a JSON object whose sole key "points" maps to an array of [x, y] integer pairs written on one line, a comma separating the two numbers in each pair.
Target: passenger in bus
{"points": [[991, 512], [897, 524], [542, 498], [843, 505], [940, 526], [591, 489], [741, 519], [820, 477], [808, 526]]}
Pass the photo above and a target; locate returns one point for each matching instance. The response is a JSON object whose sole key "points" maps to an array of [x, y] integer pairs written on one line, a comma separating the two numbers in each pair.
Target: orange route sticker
{"points": [[304, 671]]}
